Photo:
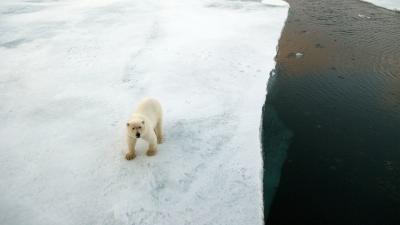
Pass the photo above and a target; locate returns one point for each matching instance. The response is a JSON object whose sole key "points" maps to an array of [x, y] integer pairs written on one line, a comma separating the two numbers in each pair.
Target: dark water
{"points": [[332, 117]]}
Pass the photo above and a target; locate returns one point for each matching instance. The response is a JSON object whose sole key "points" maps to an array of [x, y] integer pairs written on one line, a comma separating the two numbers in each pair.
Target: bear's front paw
{"points": [[151, 152], [130, 155]]}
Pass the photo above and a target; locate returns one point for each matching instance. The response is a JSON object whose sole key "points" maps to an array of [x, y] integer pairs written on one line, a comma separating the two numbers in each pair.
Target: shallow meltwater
{"points": [[331, 122]]}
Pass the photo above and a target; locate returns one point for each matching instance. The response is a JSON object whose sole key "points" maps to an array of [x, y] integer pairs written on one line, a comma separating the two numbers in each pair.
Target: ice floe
{"points": [[389, 4], [71, 72]]}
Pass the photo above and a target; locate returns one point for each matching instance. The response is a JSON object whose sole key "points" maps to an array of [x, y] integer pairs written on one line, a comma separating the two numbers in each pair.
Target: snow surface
{"points": [[275, 2], [70, 74], [389, 4]]}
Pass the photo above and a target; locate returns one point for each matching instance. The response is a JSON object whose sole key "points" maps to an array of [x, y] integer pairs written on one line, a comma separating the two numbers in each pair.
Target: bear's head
{"points": [[136, 128]]}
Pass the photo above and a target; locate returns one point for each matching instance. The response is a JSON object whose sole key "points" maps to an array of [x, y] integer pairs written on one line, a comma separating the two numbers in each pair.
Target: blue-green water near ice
{"points": [[331, 121]]}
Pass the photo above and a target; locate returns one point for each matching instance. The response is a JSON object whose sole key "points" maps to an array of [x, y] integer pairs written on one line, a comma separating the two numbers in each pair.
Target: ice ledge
{"points": [[388, 4]]}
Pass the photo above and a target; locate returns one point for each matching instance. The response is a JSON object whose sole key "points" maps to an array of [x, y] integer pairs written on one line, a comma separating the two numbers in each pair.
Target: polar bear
{"points": [[146, 123]]}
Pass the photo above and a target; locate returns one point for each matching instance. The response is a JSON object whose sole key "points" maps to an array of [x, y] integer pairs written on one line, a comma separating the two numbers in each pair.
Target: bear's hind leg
{"points": [[159, 132]]}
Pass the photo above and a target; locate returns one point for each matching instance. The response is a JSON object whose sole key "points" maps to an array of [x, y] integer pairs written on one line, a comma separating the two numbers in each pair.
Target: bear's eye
{"points": [[140, 127], [133, 128]]}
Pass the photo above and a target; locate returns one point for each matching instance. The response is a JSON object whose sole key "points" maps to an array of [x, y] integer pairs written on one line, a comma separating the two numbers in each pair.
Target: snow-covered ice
{"points": [[275, 3], [299, 55], [70, 74], [364, 16], [389, 4]]}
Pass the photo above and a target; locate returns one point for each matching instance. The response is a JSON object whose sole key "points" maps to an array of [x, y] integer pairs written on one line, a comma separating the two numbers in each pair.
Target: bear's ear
{"points": [[142, 121], [127, 124]]}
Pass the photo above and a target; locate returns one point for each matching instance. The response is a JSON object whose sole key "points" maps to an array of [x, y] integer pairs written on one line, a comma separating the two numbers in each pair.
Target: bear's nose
{"points": [[138, 135]]}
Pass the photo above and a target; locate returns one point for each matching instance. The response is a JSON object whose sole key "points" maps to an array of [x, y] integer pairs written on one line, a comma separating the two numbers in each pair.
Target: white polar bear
{"points": [[146, 123]]}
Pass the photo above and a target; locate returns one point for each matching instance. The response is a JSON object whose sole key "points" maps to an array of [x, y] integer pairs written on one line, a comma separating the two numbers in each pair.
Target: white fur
{"points": [[146, 121]]}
